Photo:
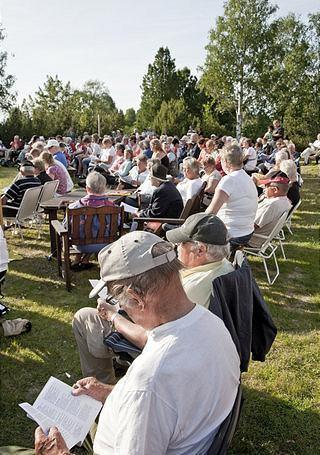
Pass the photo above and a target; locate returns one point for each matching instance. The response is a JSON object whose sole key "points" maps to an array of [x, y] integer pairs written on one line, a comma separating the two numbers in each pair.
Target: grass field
{"points": [[281, 413]]}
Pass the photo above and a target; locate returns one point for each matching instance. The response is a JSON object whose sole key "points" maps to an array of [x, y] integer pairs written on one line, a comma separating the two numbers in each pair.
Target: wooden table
{"points": [[52, 206]]}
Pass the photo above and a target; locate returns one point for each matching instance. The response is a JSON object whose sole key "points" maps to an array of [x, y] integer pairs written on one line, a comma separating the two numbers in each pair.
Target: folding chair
{"points": [[227, 429], [268, 249], [48, 192], [26, 211], [86, 226], [288, 220]]}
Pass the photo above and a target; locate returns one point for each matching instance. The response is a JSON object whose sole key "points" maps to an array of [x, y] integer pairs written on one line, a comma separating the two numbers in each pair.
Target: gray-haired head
{"points": [[96, 182]]}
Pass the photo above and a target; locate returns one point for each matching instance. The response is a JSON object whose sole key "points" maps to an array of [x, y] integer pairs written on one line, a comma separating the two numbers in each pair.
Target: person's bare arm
{"points": [[219, 198], [132, 332], [212, 184]]}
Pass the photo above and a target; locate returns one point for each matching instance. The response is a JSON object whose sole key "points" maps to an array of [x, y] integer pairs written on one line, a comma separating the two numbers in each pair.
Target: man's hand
{"points": [[105, 310], [92, 387], [53, 444]]}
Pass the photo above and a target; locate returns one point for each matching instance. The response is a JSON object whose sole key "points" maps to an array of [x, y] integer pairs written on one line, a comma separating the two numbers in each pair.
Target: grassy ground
{"points": [[282, 395]]}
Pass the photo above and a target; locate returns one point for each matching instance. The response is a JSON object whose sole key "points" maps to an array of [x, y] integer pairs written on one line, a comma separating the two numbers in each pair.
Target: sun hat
{"points": [[130, 256], [159, 172], [200, 227]]}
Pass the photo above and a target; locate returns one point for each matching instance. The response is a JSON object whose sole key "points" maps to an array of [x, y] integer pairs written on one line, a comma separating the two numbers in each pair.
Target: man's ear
{"points": [[136, 297]]}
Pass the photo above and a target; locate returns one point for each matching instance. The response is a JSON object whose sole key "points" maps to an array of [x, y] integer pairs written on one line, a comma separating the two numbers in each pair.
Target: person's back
{"points": [[60, 156], [166, 202], [238, 213], [14, 195], [176, 423]]}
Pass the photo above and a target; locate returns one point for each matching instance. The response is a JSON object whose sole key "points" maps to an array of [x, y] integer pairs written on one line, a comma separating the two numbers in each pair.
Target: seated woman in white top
{"points": [[249, 155], [192, 183], [235, 199]]}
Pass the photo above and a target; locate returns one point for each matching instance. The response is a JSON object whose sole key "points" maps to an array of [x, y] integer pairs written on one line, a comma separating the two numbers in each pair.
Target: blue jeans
{"points": [[235, 242]]}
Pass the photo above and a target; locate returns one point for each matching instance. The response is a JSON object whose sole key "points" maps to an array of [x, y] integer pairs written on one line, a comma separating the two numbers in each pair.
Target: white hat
{"points": [[130, 256], [52, 143]]}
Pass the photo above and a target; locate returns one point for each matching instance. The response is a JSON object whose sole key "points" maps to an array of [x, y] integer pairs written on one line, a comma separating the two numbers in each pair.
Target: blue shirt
{"points": [[60, 156]]}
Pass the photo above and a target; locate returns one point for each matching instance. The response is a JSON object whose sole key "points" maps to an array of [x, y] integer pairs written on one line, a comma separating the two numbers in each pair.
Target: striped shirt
{"points": [[16, 191]]}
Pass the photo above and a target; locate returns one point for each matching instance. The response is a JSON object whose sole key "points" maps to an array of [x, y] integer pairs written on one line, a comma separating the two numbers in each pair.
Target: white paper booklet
{"points": [[56, 406], [128, 208]]}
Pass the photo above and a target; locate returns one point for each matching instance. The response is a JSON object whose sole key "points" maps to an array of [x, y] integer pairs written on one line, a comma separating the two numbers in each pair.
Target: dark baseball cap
{"points": [[200, 227]]}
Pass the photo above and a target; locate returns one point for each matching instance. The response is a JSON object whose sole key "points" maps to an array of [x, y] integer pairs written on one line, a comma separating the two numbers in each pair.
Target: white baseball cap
{"points": [[52, 143], [130, 256]]}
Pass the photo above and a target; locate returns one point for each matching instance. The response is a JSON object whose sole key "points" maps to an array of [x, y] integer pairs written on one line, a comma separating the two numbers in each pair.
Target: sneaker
{"points": [[16, 327]]}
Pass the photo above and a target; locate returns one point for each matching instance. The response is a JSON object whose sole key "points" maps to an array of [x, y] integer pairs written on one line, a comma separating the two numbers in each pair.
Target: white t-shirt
{"points": [[135, 175], [106, 154], [251, 155], [268, 213], [146, 187], [175, 394], [189, 188], [239, 212]]}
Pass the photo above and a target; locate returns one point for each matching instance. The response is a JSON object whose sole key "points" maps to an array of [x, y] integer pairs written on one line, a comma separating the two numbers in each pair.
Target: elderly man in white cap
{"points": [[176, 394], [202, 249]]}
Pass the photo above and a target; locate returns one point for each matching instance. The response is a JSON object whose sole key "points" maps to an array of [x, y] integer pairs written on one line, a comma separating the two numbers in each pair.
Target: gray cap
{"points": [[129, 256], [200, 227]]}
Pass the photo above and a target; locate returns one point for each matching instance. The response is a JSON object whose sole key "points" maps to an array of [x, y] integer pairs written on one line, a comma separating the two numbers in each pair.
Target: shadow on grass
{"points": [[284, 429], [38, 277], [27, 363]]}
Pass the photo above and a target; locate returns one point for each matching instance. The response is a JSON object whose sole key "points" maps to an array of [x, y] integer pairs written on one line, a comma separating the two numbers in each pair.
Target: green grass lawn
{"points": [[282, 395]]}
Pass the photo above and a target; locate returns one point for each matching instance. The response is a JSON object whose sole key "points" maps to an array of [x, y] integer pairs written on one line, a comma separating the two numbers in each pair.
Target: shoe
{"points": [[16, 326], [81, 266]]}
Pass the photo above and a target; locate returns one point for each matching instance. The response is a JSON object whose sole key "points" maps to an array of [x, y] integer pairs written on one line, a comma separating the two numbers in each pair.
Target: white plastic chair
{"points": [[27, 209], [268, 249], [48, 192]]}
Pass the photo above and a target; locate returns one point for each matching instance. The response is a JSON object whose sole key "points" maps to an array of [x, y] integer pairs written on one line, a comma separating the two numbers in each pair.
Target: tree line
{"points": [[258, 66]]}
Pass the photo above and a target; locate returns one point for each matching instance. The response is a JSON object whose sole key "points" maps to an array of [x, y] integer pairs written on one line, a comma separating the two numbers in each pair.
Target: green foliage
{"points": [[172, 118], [130, 118], [161, 83], [164, 83], [238, 57], [6, 80]]}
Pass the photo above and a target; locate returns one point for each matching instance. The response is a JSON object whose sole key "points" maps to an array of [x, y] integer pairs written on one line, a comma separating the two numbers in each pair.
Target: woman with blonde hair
{"points": [[158, 153], [55, 172]]}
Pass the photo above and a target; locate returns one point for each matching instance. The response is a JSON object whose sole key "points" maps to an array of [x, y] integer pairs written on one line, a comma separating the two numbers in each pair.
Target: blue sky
{"points": [[109, 40]]}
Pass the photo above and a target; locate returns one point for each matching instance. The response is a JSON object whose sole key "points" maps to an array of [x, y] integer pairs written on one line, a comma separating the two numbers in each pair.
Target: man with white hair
{"points": [[177, 393], [12, 198]]}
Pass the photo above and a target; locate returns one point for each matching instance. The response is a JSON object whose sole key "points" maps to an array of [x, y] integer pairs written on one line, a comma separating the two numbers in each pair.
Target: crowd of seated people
{"points": [[141, 270]]}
